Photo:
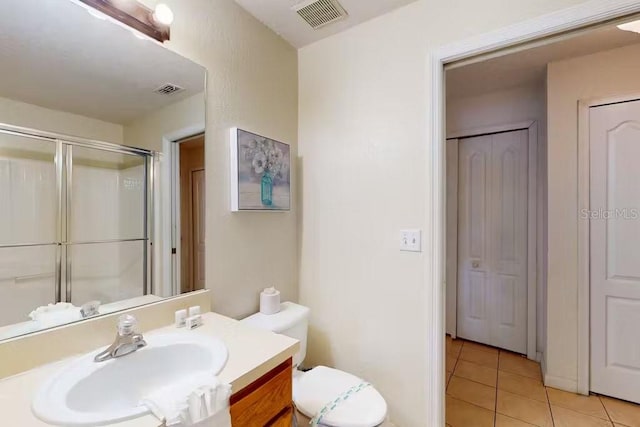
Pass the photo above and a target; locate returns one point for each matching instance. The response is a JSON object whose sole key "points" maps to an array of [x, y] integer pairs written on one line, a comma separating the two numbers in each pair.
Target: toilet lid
{"points": [[316, 388]]}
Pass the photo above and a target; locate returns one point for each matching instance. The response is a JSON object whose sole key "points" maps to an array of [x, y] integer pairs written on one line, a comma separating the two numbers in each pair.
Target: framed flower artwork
{"points": [[260, 173]]}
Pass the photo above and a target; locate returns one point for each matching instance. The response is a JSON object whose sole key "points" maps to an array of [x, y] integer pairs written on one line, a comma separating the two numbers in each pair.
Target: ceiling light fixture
{"points": [[633, 26], [134, 15], [163, 14]]}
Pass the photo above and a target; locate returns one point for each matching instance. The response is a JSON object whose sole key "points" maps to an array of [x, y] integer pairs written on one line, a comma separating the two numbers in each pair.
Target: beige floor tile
{"points": [[504, 421], [463, 414], [621, 412], [475, 346], [472, 392], [563, 417], [454, 347], [520, 365], [478, 373], [523, 386], [523, 409], [451, 363], [588, 405], [484, 358]]}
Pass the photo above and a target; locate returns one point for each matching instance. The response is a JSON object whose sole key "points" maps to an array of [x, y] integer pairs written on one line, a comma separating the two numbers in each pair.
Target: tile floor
{"points": [[496, 388]]}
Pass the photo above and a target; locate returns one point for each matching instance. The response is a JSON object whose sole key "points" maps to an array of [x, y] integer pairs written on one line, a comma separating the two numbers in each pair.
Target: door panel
{"points": [[473, 184], [508, 290], [28, 208], [614, 250], [192, 186], [508, 239], [492, 240], [623, 153], [452, 237]]}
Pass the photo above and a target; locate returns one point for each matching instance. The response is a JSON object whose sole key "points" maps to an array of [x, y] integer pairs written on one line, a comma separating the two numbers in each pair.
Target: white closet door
{"points": [[615, 250], [492, 240]]}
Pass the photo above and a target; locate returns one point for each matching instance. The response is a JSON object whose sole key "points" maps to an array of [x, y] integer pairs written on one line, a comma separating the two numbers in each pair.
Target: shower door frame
{"points": [[64, 177]]}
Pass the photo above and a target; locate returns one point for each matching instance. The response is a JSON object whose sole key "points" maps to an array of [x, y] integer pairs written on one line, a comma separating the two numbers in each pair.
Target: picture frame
{"points": [[260, 173]]}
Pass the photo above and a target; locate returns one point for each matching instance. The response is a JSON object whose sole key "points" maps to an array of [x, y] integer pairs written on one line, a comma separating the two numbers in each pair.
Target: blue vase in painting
{"points": [[266, 189]]}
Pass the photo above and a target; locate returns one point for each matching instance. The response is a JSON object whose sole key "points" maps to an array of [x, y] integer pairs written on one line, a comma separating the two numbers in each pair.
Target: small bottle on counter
{"points": [[181, 318]]}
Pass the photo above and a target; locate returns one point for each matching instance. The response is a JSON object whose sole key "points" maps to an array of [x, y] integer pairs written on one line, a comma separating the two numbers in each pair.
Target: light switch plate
{"points": [[411, 240]]}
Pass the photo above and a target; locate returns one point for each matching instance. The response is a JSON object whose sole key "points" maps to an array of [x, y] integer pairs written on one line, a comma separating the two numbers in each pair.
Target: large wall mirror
{"points": [[101, 167]]}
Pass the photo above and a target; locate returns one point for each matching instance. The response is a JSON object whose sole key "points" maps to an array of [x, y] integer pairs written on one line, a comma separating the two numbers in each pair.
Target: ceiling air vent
{"points": [[168, 89], [319, 13]]}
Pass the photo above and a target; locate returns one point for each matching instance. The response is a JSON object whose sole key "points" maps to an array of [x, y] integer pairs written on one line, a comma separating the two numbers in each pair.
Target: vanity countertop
{"points": [[252, 353]]}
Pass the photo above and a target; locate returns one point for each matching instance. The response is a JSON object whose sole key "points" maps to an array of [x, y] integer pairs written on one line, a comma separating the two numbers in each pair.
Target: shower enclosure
{"points": [[75, 221]]}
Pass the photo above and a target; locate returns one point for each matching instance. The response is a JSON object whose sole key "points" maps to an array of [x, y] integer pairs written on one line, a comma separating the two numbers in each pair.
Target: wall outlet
{"points": [[411, 240]]}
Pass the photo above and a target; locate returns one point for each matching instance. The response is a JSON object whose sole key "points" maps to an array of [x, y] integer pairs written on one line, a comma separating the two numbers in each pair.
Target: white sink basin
{"points": [[86, 393]]}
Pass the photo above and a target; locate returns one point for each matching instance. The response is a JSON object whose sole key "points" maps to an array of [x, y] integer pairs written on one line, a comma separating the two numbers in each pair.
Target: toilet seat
{"points": [[314, 389]]}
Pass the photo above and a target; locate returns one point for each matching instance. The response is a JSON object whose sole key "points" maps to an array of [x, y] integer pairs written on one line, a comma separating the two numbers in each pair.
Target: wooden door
{"points": [[615, 249], [192, 214], [492, 240]]}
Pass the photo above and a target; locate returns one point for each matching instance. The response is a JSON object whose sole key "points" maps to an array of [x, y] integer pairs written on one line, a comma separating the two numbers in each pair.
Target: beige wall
{"points": [[511, 106], [252, 84], [614, 72], [149, 130], [508, 106], [32, 116], [364, 150]]}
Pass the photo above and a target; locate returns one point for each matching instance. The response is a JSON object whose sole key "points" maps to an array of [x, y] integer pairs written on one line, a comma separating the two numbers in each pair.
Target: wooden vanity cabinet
{"points": [[267, 402]]}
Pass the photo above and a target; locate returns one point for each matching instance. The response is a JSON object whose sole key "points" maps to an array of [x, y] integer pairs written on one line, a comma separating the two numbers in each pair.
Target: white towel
{"points": [[198, 401], [55, 314]]}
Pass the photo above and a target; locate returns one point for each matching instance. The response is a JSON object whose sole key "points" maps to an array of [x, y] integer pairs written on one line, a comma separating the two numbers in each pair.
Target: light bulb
{"points": [[163, 14]]}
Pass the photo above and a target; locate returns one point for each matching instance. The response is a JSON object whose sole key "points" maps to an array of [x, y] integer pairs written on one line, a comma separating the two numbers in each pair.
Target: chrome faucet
{"points": [[127, 340]]}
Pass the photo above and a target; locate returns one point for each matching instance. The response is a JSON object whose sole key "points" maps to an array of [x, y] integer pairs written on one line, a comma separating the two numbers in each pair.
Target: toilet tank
{"points": [[292, 321]]}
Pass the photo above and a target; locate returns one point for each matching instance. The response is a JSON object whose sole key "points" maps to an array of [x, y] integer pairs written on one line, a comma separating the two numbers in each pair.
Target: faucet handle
{"points": [[92, 308], [126, 324]]}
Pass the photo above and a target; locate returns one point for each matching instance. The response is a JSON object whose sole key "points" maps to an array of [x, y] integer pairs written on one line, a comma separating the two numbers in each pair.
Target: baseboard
{"points": [[539, 359], [560, 383]]}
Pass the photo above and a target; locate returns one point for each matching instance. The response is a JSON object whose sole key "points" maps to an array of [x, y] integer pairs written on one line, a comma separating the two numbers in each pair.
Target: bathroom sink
{"points": [[86, 393]]}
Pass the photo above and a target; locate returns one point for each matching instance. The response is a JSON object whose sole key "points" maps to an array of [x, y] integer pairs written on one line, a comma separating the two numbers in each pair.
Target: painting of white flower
{"points": [[262, 171]]}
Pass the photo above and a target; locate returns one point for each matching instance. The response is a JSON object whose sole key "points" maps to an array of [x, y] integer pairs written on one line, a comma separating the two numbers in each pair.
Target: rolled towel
{"points": [[56, 314], [198, 401]]}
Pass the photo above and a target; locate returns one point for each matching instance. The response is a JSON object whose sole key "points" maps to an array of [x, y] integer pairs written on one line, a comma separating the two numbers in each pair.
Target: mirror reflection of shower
{"points": [[74, 235], [83, 121]]}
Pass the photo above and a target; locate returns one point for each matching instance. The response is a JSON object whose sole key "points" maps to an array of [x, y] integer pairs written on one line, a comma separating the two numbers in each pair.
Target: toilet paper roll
{"points": [[270, 301]]}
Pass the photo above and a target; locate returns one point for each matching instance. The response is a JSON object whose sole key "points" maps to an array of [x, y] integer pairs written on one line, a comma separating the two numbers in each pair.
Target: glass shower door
{"points": [[106, 226], [30, 184]]}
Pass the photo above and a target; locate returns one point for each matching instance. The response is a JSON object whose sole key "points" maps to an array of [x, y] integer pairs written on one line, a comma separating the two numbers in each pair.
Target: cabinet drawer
{"points": [[259, 404], [283, 420]]}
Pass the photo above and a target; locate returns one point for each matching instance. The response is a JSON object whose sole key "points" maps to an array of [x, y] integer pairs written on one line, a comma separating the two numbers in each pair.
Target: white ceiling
{"points": [[282, 19], [528, 67], [53, 53]]}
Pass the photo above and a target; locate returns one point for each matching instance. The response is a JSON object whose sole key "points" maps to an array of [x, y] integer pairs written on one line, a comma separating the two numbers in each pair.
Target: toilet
{"points": [[316, 390]]}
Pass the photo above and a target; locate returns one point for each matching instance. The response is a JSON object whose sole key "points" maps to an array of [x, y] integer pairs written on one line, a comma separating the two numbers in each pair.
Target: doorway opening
{"points": [[188, 213], [491, 229], [514, 226]]}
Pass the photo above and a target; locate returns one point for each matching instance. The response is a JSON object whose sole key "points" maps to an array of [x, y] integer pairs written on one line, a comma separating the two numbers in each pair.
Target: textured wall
{"points": [[252, 83], [32, 116], [364, 154], [148, 131]]}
